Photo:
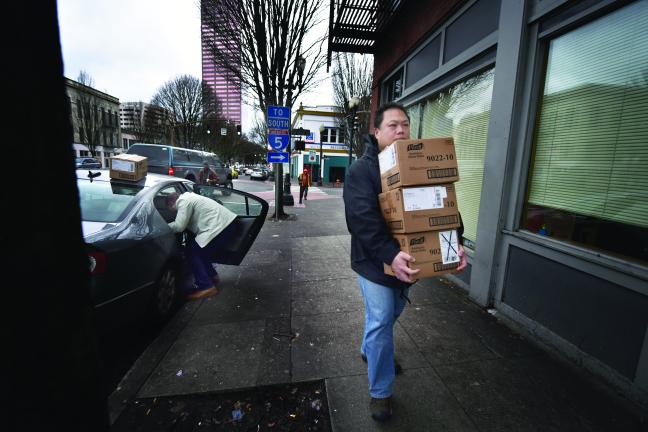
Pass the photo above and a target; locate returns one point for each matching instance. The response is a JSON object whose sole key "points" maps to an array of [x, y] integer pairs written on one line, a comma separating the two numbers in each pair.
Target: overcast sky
{"points": [[132, 47]]}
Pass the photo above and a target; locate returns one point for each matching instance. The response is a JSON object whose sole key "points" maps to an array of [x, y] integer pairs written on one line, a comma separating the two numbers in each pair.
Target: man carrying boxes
{"points": [[375, 251]]}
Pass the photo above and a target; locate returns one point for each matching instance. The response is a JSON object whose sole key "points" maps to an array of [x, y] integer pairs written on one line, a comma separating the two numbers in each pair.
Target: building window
{"points": [[462, 112], [333, 135], [588, 182], [393, 87], [414, 114]]}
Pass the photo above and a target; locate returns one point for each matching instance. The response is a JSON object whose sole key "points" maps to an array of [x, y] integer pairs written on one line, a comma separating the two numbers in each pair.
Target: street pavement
{"points": [[293, 312]]}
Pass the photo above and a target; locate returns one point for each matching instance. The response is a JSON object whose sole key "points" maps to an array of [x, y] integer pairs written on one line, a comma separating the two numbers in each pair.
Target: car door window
{"points": [[181, 156], [236, 202], [196, 158]]}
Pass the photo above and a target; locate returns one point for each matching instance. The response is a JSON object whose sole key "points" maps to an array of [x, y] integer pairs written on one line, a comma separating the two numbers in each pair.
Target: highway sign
{"points": [[281, 157], [278, 117], [278, 142]]}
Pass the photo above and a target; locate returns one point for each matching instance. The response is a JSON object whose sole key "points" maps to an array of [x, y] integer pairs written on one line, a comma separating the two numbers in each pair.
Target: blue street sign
{"points": [[278, 117], [281, 157], [278, 142]]}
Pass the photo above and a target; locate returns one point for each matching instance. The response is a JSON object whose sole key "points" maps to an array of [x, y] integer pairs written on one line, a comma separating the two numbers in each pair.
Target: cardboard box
{"points": [[422, 208], [418, 163], [128, 167], [436, 252]]}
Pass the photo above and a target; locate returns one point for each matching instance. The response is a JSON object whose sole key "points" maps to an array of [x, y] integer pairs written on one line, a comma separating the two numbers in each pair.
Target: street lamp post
{"points": [[321, 160], [354, 102]]}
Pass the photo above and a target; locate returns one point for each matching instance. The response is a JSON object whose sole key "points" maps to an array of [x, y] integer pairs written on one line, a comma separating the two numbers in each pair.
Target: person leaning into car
{"points": [[207, 176], [211, 223]]}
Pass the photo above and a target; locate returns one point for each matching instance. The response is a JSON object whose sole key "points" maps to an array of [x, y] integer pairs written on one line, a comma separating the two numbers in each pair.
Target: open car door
{"points": [[251, 212]]}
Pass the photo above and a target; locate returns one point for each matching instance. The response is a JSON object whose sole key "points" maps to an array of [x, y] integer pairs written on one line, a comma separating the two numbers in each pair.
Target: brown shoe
{"points": [[381, 409], [209, 292]]}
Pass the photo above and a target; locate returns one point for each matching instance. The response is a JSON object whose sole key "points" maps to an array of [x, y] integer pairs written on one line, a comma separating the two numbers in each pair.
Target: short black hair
{"points": [[380, 113]]}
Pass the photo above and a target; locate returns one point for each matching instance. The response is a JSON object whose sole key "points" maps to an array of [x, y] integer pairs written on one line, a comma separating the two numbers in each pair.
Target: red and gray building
{"points": [[547, 102]]}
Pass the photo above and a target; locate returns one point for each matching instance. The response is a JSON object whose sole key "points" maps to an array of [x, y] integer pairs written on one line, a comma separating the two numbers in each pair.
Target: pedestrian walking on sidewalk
{"points": [[212, 227], [304, 180], [372, 244]]}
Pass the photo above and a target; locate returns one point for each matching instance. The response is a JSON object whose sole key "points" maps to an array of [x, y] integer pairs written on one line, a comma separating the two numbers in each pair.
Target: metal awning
{"points": [[355, 24]]}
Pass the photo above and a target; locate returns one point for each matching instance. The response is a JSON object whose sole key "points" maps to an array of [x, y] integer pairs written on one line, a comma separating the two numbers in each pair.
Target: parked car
{"points": [[87, 162], [248, 171], [181, 162], [136, 262], [258, 174]]}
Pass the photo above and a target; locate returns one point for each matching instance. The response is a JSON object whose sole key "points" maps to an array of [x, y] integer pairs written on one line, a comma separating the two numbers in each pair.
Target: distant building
{"points": [[95, 121], [334, 151], [225, 85], [143, 122]]}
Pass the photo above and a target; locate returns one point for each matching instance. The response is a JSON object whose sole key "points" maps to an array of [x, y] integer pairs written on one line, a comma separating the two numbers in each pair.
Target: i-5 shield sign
{"points": [[278, 142]]}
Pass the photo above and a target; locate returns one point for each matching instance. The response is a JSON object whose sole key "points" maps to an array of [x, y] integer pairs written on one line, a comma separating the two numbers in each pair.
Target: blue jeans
{"points": [[383, 306], [200, 259]]}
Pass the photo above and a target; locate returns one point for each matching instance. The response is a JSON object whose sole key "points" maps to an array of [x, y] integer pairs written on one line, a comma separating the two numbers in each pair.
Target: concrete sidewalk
{"points": [[293, 312]]}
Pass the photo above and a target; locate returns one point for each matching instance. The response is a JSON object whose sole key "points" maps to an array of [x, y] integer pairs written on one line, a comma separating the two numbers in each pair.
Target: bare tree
{"points": [[224, 144], [260, 41], [259, 133], [263, 44], [87, 114], [353, 77], [182, 97]]}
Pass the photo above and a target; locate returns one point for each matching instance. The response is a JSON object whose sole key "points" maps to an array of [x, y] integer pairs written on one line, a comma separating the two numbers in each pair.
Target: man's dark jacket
{"points": [[372, 244]]}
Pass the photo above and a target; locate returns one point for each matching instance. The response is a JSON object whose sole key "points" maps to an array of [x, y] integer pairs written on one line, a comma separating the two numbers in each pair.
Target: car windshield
{"points": [[103, 201]]}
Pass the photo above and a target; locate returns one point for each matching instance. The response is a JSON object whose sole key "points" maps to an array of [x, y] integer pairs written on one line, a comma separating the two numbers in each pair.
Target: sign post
{"points": [[278, 122]]}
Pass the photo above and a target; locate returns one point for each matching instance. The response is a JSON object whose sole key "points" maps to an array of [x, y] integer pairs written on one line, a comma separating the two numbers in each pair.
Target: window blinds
{"points": [[591, 150], [462, 112]]}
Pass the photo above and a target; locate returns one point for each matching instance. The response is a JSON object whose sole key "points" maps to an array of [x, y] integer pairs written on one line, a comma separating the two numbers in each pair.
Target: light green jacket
{"points": [[202, 216]]}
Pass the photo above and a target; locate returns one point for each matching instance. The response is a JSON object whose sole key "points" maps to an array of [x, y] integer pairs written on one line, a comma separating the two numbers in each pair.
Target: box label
{"points": [[122, 165], [424, 198], [449, 246], [387, 158]]}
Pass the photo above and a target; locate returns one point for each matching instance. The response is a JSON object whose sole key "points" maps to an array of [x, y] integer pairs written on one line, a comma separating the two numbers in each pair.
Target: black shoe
{"points": [[381, 409], [397, 367]]}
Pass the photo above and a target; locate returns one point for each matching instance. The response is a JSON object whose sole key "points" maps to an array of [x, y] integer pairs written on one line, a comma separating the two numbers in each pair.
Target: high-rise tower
{"points": [[225, 85]]}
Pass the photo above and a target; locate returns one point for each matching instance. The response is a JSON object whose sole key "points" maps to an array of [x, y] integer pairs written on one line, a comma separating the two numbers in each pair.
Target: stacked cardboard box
{"points": [[128, 167], [419, 203]]}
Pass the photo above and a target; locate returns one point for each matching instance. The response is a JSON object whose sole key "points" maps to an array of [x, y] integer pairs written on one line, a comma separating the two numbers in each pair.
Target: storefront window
{"points": [[462, 112], [415, 119], [589, 173]]}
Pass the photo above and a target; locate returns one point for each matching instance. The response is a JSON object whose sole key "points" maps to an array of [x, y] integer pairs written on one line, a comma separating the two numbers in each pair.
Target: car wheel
{"points": [[165, 294]]}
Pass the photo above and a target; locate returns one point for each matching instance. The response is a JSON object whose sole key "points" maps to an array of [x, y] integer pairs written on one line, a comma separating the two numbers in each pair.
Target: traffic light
{"points": [[300, 145], [238, 129], [356, 120]]}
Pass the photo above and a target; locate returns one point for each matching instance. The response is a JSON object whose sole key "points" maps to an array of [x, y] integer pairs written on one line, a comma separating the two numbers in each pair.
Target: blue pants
{"points": [[200, 259], [383, 306]]}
